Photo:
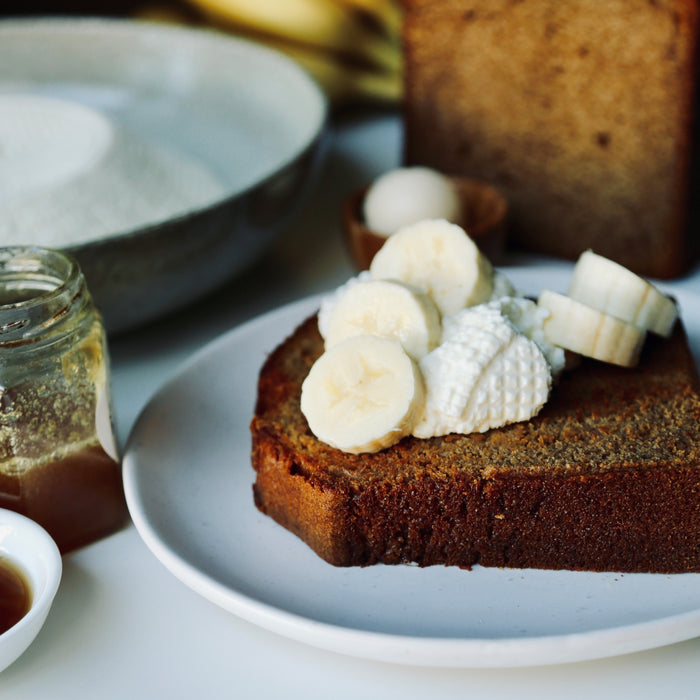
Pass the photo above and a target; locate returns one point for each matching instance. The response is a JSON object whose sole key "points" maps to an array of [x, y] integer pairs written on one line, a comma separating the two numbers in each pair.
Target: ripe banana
{"points": [[582, 329], [362, 395], [615, 290], [325, 24], [387, 309], [441, 260], [484, 374], [385, 13], [342, 80], [330, 300]]}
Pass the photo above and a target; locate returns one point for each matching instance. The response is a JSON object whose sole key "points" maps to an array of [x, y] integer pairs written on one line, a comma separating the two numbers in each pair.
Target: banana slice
{"points": [[581, 328], [363, 394], [441, 260], [615, 290], [329, 301], [483, 375], [387, 309]]}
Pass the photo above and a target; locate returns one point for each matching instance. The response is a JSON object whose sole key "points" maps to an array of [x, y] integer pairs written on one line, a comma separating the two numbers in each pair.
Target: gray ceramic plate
{"points": [[248, 113]]}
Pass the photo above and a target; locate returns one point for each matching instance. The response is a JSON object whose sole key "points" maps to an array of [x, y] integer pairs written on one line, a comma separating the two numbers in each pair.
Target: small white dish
{"points": [[32, 550]]}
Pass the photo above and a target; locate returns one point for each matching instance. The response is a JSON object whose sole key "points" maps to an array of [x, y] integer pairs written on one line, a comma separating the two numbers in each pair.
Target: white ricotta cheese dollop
{"points": [[484, 374]]}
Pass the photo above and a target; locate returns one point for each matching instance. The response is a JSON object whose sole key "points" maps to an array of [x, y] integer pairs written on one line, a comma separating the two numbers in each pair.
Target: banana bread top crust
{"points": [[599, 418]]}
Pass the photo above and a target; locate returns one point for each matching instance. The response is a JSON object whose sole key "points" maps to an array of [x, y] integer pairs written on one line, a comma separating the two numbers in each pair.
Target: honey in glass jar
{"points": [[59, 463]]}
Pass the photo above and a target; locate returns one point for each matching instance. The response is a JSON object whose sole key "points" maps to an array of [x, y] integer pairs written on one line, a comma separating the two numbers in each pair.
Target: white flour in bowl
{"points": [[69, 175]]}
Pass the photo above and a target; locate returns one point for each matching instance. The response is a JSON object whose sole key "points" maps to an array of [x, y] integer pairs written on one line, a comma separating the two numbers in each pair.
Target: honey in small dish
{"points": [[15, 595]]}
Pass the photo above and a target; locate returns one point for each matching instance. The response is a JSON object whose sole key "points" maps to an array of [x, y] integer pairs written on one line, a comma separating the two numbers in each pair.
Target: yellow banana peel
{"points": [[385, 13], [346, 75], [325, 24], [342, 81]]}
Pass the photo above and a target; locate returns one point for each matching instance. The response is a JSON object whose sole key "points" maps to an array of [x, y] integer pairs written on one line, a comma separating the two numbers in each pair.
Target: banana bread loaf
{"points": [[606, 477], [581, 113]]}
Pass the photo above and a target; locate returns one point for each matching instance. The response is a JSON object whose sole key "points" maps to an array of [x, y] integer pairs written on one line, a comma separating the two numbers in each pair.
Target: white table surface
{"points": [[123, 627]]}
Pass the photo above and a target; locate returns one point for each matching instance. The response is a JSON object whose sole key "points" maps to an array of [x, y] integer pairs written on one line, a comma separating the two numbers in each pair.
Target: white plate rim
{"points": [[388, 647]]}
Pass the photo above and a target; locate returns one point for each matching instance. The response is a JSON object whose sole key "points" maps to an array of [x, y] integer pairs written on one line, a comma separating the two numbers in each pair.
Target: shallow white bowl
{"points": [[245, 112], [31, 549]]}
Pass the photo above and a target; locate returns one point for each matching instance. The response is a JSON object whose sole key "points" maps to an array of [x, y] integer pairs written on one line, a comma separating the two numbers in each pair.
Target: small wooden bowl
{"points": [[484, 212]]}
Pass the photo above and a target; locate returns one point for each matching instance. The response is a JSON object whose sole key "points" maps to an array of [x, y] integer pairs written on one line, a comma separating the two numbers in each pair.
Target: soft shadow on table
{"points": [[71, 610], [573, 681]]}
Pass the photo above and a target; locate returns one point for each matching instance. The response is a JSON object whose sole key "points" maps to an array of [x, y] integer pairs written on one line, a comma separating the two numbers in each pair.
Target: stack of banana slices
{"points": [[607, 312], [431, 340], [351, 47]]}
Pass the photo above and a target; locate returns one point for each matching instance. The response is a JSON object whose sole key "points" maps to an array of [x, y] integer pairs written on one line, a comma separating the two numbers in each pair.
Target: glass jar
{"points": [[58, 457]]}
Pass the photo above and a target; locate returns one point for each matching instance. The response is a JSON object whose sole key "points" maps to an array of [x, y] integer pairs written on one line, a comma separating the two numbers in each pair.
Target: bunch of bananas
{"points": [[351, 47]]}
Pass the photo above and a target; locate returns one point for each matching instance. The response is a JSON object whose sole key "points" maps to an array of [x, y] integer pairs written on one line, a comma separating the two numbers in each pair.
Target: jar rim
{"points": [[42, 284]]}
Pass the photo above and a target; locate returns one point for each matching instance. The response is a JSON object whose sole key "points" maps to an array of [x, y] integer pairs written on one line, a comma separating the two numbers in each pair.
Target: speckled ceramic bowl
{"points": [[249, 113]]}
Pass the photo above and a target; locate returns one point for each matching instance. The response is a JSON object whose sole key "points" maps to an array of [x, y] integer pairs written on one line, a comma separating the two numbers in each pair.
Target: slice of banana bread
{"points": [[581, 113], [605, 478]]}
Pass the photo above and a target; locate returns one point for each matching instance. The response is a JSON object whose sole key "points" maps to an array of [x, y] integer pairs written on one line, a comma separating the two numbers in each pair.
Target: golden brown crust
{"points": [[581, 113], [607, 477]]}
